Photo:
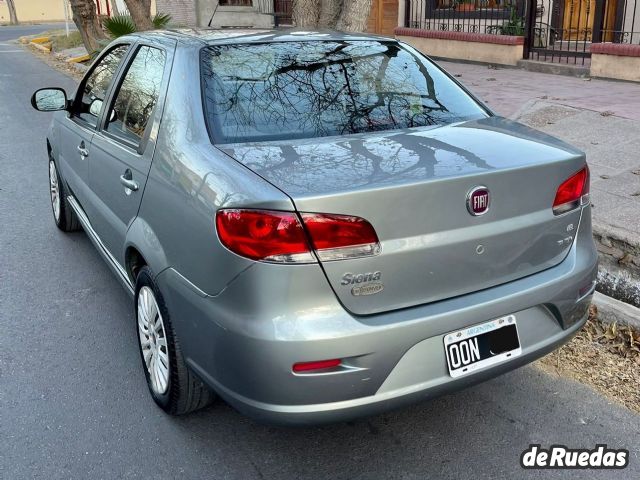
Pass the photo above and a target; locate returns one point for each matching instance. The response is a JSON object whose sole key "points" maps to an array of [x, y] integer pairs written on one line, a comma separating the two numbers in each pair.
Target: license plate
{"points": [[481, 346]]}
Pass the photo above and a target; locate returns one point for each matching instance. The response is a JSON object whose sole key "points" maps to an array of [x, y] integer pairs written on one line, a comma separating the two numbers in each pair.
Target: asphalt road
{"points": [[10, 32], [73, 401]]}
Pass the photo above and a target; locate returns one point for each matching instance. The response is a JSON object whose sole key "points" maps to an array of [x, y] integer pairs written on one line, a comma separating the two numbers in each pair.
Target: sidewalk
{"points": [[603, 119], [506, 90]]}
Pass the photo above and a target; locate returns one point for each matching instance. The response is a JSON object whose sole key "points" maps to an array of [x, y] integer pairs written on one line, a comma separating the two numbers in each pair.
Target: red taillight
{"points": [[572, 193], [335, 237], [274, 236], [317, 365], [264, 235]]}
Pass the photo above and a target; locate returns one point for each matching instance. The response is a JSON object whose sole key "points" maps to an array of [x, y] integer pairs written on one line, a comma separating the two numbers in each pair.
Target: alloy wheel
{"points": [[153, 340], [54, 189]]}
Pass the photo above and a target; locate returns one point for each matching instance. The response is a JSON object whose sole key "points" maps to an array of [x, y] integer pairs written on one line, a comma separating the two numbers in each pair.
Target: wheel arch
{"points": [[142, 247]]}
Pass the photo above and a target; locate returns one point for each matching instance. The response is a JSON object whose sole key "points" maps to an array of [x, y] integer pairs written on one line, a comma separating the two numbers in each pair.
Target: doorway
{"points": [[383, 18]]}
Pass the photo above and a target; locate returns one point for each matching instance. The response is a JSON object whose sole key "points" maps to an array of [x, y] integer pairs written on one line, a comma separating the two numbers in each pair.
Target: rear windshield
{"points": [[288, 90]]}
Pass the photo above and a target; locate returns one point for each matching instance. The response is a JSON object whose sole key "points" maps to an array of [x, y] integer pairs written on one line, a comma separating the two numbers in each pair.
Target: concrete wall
{"points": [[235, 16], [34, 10], [53, 10], [183, 12], [191, 13], [615, 66], [464, 50]]}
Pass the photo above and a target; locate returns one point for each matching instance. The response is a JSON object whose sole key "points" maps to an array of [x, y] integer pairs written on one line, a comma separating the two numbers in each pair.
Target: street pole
{"points": [[66, 16]]}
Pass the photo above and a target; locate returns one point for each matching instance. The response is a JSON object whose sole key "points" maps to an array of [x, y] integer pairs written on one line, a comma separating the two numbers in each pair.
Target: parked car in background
{"points": [[317, 226]]}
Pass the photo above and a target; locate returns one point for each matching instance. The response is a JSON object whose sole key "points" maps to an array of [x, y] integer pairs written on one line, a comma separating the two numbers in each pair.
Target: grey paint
{"points": [[242, 324], [412, 186], [64, 415]]}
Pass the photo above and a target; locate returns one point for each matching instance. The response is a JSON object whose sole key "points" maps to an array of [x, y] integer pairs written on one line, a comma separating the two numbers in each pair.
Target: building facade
{"points": [[54, 10]]}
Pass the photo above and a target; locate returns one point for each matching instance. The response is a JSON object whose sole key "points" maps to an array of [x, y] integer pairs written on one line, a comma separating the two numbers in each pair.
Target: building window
{"points": [[475, 3], [236, 3]]}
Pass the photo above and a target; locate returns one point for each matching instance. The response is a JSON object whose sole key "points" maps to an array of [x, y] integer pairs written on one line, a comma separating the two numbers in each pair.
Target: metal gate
{"points": [[283, 12], [562, 31], [554, 30]]}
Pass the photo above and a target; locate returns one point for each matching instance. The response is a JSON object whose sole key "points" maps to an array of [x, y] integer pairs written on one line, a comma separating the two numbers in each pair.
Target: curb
{"points": [[81, 58], [619, 268], [554, 68], [40, 40], [611, 310], [44, 48]]}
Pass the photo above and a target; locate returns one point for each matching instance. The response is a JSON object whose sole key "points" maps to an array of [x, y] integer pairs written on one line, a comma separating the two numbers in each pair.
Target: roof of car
{"points": [[213, 36]]}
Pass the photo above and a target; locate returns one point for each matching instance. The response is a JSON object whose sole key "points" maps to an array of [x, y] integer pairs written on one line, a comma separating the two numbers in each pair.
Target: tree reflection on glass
{"points": [[96, 85], [138, 94], [259, 92]]}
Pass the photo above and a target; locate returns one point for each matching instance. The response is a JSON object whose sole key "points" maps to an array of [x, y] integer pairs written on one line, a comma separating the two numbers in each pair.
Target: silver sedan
{"points": [[317, 226]]}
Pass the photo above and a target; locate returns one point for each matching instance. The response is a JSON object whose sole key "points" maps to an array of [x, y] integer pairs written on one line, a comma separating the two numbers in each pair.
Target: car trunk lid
{"points": [[412, 186]]}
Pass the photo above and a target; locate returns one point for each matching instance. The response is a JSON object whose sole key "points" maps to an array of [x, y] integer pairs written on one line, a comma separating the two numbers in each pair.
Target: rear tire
{"points": [[171, 383], [64, 216]]}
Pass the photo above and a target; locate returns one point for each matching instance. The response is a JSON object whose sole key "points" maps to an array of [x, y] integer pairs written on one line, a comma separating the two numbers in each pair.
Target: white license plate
{"points": [[481, 346]]}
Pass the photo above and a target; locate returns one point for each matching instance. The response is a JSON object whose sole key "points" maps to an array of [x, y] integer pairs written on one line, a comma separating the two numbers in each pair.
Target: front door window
{"points": [[94, 89]]}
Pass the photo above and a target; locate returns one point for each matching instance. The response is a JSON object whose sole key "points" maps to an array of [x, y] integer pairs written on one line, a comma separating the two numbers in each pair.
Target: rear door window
{"points": [[137, 96]]}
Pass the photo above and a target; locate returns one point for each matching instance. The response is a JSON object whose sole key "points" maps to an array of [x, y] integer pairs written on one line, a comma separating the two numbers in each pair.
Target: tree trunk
{"points": [[86, 19], [114, 7], [306, 13], [13, 17], [140, 11], [329, 13], [354, 16]]}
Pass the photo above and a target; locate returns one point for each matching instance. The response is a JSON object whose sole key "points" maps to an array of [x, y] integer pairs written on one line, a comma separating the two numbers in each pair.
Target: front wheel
{"points": [[172, 385], [64, 216]]}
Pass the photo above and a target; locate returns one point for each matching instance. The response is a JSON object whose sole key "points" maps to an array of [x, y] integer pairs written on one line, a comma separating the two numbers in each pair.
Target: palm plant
{"points": [[119, 25], [160, 20]]}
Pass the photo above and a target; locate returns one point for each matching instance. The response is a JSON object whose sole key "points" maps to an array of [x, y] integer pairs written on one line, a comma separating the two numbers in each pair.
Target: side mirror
{"points": [[96, 107], [49, 100]]}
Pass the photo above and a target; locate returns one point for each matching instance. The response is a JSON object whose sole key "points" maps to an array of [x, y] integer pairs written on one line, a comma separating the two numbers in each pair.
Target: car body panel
{"points": [[115, 205], [224, 328], [243, 324], [73, 166], [75, 134], [190, 179], [412, 186]]}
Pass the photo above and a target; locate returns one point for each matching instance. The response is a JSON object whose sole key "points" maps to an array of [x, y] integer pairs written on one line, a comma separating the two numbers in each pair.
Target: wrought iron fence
{"points": [[555, 30], [570, 27], [504, 17]]}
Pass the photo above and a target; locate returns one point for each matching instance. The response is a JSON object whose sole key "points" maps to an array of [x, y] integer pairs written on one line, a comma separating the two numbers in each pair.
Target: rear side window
{"points": [[137, 96], [95, 87], [273, 91]]}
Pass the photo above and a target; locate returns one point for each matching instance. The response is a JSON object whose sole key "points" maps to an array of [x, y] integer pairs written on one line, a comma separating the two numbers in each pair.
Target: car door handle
{"points": [[127, 180], [83, 151]]}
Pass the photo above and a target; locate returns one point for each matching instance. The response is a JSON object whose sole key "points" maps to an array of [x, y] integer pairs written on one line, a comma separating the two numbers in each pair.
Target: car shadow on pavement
{"points": [[478, 432]]}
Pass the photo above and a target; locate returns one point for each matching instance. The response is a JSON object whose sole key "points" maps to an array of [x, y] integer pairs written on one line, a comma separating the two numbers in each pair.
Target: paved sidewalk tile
{"points": [[507, 90], [600, 117], [612, 146]]}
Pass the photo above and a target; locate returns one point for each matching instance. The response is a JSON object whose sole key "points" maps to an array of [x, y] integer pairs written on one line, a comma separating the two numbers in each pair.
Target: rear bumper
{"points": [[387, 398], [244, 341]]}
